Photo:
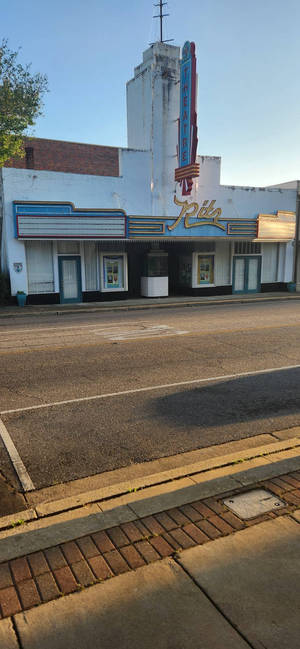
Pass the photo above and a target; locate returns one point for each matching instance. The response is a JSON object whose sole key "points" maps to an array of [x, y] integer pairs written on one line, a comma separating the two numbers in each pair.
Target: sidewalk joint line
{"points": [[16, 631], [176, 559]]}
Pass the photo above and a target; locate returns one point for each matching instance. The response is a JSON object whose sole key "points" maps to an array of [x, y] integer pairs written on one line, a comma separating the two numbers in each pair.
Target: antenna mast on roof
{"points": [[161, 15]]}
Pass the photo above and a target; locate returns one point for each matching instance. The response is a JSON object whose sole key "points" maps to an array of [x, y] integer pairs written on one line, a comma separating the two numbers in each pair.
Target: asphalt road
{"points": [[51, 359]]}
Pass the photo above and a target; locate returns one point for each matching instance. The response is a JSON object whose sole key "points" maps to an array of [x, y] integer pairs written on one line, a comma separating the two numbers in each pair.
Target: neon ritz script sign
{"points": [[187, 144]]}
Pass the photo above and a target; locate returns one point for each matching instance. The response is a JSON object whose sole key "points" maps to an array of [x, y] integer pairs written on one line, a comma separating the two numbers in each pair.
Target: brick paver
{"points": [[9, 601], [118, 537], [100, 568], [116, 562], [88, 547], [162, 546], [197, 535], [178, 516], [83, 573], [71, 552], [55, 558], [66, 580], [217, 506], [174, 544], [153, 525], [220, 524], [103, 541], [203, 509], [147, 551], [5, 576], [166, 521], [209, 529], [132, 556], [182, 538], [20, 569], [233, 520], [44, 576], [47, 586], [192, 513], [132, 531], [28, 593], [38, 563]]}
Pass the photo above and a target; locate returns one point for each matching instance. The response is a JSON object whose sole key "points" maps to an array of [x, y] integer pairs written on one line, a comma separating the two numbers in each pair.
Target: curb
{"points": [[58, 522], [56, 310]]}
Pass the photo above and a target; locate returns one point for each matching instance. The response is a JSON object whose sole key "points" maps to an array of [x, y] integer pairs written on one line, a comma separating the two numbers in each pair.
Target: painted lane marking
{"points": [[75, 326], [19, 467], [150, 388], [144, 331], [117, 332]]}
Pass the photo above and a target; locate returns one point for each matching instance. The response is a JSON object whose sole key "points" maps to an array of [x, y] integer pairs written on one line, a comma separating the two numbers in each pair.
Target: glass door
{"points": [[70, 279], [246, 274]]}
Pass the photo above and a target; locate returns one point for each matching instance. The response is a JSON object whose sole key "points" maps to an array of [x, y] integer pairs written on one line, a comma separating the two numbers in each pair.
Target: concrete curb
{"points": [[54, 523], [58, 310]]}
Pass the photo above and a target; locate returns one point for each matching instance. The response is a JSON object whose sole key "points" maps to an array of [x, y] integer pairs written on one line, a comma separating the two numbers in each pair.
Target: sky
{"points": [[248, 55]]}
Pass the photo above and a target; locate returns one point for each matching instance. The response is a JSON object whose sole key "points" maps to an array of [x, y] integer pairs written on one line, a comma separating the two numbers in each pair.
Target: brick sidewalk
{"points": [[63, 569]]}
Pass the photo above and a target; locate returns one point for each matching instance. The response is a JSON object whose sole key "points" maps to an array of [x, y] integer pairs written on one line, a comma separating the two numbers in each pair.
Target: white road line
{"points": [[150, 388], [19, 467]]}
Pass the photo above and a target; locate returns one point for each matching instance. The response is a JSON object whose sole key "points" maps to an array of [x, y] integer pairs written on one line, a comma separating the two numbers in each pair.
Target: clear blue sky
{"points": [[248, 56]]}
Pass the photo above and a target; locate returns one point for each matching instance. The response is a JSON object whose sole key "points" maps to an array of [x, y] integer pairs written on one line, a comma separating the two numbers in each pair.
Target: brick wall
{"points": [[69, 157]]}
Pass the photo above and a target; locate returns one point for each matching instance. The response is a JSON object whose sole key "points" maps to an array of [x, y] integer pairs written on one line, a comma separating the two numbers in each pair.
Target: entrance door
{"points": [[246, 274], [70, 279]]}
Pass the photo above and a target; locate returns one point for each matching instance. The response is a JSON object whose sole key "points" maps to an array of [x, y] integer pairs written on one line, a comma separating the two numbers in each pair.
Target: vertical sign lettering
{"points": [[188, 169]]}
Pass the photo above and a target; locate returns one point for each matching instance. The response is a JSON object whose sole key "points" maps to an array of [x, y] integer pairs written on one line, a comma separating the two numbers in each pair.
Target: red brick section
{"points": [[69, 157], [43, 576]]}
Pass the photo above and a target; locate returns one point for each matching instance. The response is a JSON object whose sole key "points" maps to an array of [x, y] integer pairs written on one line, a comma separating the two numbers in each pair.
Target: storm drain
{"points": [[253, 503]]}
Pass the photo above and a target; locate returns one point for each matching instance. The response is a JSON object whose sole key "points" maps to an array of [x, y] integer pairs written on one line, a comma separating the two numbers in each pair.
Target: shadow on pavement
{"points": [[230, 402]]}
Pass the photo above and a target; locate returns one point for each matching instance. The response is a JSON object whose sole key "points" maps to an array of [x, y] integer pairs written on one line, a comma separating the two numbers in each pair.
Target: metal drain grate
{"points": [[253, 503]]}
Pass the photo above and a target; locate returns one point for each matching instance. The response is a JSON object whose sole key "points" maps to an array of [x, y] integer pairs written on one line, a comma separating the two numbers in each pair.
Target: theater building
{"points": [[86, 223]]}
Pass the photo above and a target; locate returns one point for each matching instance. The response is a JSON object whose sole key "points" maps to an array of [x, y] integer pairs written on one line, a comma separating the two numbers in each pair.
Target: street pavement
{"points": [[46, 360]]}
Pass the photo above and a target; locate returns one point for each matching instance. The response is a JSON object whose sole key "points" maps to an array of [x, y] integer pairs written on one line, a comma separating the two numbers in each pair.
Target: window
{"points": [[205, 270], [247, 248], [113, 272], [90, 263], [29, 157], [68, 248], [39, 267]]}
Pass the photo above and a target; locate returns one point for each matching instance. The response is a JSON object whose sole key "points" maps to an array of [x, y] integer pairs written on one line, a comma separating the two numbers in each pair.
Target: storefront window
{"points": [[90, 263], [205, 270], [39, 267], [114, 273]]}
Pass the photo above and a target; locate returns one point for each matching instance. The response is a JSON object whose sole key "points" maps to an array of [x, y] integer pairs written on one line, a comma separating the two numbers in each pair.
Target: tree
{"points": [[21, 103]]}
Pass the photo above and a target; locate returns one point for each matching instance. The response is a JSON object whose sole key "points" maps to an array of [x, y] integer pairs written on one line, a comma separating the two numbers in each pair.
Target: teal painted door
{"points": [[246, 274], [70, 279]]}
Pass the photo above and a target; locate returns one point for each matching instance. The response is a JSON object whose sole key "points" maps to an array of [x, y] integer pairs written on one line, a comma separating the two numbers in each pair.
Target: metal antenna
{"points": [[161, 15]]}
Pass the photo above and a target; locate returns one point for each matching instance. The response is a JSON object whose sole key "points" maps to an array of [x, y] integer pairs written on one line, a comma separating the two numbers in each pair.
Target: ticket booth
{"points": [[155, 280]]}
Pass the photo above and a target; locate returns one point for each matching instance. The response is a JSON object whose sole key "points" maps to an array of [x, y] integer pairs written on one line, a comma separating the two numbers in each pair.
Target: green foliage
{"points": [[17, 523], [4, 288], [20, 102]]}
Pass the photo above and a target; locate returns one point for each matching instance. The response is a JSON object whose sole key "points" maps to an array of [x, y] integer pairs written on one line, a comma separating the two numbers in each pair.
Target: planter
{"points": [[21, 299], [291, 287]]}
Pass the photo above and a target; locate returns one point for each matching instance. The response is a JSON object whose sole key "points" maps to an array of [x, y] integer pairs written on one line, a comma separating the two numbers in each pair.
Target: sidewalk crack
{"points": [[215, 605], [16, 630]]}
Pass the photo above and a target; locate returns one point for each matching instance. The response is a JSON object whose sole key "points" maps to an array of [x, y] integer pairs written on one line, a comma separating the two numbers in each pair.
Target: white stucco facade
{"points": [[206, 250]]}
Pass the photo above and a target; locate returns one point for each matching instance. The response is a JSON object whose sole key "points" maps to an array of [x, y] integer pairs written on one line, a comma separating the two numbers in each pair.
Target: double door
{"points": [[246, 274]]}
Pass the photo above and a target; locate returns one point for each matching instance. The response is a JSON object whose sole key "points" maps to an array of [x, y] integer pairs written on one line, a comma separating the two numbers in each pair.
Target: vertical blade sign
{"points": [[188, 168]]}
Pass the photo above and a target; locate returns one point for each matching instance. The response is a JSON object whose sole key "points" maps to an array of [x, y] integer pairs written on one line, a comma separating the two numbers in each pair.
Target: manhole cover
{"points": [[253, 503]]}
